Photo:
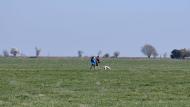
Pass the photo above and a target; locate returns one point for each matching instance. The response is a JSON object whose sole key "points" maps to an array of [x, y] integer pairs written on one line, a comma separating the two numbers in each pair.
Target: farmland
{"points": [[68, 82]]}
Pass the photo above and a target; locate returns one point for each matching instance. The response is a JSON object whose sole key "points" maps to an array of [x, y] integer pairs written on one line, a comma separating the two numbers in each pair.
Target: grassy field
{"points": [[68, 82]]}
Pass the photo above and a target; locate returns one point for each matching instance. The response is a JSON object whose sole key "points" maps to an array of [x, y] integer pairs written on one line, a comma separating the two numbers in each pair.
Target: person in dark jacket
{"points": [[97, 60]]}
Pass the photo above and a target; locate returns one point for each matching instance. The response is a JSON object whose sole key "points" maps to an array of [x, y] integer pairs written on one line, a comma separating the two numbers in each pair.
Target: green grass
{"points": [[68, 82]]}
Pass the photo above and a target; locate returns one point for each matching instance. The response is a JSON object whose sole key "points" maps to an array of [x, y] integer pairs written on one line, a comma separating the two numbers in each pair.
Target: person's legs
{"points": [[92, 66], [97, 65]]}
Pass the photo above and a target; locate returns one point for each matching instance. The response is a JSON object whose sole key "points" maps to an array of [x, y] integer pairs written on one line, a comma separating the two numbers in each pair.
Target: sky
{"points": [[62, 27]]}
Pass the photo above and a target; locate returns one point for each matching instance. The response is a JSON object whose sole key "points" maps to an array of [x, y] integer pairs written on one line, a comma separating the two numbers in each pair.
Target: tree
{"points": [[154, 54], [165, 55], [14, 51], [80, 53], [180, 54], [5, 53], [149, 50], [116, 54], [107, 55], [175, 54], [99, 53], [185, 53], [38, 51]]}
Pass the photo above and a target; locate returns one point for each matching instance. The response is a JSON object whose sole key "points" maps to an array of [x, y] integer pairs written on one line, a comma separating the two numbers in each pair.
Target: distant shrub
{"points": [[107, 55]]}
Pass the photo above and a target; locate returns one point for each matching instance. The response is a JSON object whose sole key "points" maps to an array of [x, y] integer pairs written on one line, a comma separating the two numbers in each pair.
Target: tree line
{"points": [[106, 55], [15, 52], [180, 53], [148, 50]]}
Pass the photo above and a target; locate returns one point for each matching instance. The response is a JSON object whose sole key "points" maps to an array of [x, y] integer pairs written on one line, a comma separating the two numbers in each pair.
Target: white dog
{"points": [[107, 68]]}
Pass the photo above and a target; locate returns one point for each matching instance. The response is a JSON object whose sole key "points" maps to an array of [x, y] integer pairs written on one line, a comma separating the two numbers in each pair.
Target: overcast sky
{"points": [[62, 27]]}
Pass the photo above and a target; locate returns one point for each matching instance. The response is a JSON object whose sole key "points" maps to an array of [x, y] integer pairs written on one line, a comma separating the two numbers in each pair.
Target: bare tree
{"points": [[80, 53], [5, 53], [165, 55], [116, 54], [185, 53], [14, 51], [149, 50], [99, 53], [154, 54], [38, 51], [188, 53]]}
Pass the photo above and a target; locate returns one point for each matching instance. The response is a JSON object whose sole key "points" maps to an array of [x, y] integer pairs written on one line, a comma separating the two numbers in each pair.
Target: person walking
{"points": [[93, 63], [97, 61]]}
